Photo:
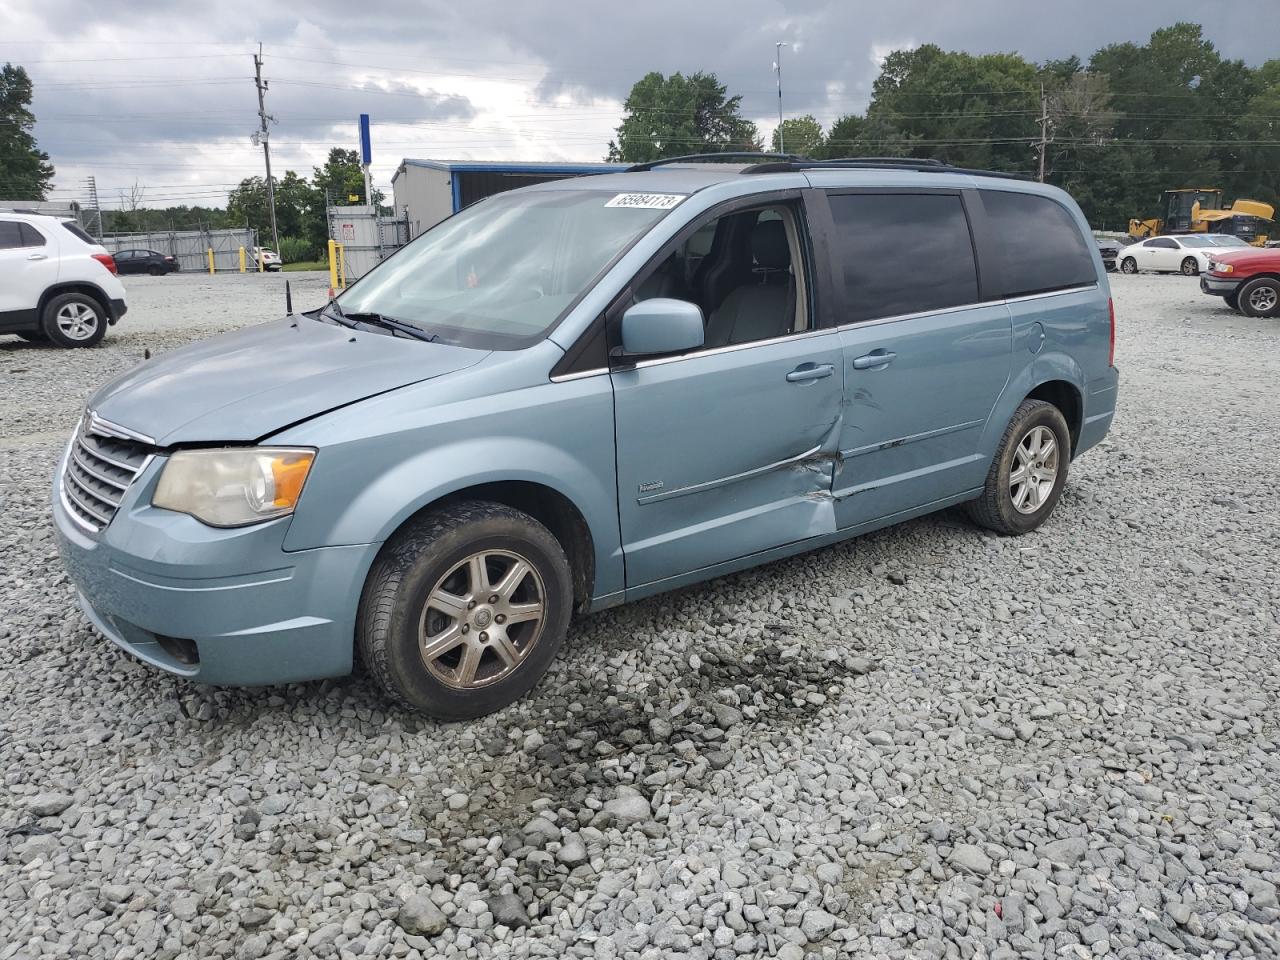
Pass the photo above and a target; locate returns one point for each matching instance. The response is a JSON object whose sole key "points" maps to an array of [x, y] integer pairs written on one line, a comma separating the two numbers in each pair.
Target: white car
{"points": [[1186, 254], [57, 283], [270, 259]]}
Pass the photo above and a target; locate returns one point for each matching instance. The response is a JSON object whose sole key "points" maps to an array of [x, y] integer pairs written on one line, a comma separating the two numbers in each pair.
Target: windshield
{"points": [[1228, 242], [502, 272]]}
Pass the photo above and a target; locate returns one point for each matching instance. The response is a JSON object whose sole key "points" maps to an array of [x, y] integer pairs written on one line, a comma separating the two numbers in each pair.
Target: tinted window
{"points": [[879, 236], [10, 235], [1039, 243], [31, 237], [75, 231], [1164, 244]]}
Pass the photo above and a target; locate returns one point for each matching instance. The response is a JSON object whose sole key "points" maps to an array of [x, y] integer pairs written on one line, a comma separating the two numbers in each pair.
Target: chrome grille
{"points": [[102, 461]]}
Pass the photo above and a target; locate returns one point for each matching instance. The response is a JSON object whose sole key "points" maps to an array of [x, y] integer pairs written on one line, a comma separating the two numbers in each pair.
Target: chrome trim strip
{"points": [[1053, 293], [732, 347], [712, 484], [903, 441], [82, 488], [106, 428], [94, 473], [579, 375], [71, 512]]}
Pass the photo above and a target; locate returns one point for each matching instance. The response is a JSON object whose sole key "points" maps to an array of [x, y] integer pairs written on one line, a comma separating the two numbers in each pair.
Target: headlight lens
{"points": [[234, 486]]}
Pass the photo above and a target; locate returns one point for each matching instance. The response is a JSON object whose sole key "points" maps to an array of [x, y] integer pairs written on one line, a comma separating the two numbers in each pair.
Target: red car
{"points": [[1249, 280]]}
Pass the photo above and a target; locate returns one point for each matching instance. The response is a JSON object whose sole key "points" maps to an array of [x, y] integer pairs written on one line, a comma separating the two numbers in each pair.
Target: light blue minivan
{"points": [[580, 393]]}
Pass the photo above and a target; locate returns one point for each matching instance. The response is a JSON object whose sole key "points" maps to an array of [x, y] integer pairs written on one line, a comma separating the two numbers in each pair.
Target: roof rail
{"points": [[880, 163], [705, 157]]}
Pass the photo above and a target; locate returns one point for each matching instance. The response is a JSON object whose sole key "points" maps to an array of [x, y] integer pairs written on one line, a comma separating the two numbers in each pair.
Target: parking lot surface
{"points": [[928, 742]]}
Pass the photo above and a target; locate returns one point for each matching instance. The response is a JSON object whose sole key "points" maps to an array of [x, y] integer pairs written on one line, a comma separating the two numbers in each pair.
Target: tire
{"points": [[432, 559], [1189, 267], [74, 320], [1233, 300], [1260, 297], [33, 336], [157, 271], [1129, 265], [996, 509]]}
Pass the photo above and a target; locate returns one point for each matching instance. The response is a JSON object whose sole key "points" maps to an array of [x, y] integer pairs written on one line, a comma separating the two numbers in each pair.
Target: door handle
{"points": [[808, 372], [38, 256], [875, 360]]}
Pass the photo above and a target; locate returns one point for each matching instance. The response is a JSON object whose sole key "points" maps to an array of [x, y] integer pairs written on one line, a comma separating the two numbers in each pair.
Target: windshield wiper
{"points": [[378, 320]]}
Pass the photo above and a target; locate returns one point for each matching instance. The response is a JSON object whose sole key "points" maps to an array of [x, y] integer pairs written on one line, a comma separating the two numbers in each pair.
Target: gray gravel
{"points": [[930, 742]]}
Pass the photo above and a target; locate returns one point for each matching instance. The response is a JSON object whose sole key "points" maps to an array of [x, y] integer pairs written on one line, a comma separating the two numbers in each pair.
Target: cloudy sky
{"points": [[160, 94]]}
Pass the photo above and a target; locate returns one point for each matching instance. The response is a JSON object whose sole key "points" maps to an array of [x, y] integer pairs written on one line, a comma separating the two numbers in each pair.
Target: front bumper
{"points": [[1217, 286], [253, 613]]}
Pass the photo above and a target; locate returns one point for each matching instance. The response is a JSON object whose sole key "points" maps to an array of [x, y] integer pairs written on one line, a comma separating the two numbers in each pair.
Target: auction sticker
{"points": [[647, 201]]}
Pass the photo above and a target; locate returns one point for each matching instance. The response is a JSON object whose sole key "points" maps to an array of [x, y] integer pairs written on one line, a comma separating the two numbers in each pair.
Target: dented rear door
{"points": [[725, 453]]}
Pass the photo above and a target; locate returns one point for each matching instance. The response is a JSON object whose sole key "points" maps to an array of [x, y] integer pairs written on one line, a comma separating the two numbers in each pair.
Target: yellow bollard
{"points": [[242, 259], [259, 256], [211, 259], [333, 268]]}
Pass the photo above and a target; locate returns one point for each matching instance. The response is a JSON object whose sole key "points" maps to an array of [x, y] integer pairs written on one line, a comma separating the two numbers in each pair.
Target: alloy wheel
{"points": [[1263, 299], [482, 619], [77, 321], [1129, 265], [1035, 470]]}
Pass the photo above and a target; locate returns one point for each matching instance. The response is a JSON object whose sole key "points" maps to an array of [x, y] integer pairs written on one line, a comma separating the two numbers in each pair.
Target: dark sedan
{"points": [[146, 261], [1110, 249]]}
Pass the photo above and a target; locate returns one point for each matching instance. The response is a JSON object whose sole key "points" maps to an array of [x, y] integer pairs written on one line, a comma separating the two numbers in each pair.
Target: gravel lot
{"points": [[929, 742]]}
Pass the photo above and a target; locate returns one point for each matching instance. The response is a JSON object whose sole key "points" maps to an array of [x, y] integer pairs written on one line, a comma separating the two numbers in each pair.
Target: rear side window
{"points": [[75, 231], [1039, 244], [903, 253], [15, 233]]}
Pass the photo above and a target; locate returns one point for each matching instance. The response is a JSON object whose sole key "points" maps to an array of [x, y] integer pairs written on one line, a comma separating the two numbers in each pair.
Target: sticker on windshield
{"points": [[647, 201]]}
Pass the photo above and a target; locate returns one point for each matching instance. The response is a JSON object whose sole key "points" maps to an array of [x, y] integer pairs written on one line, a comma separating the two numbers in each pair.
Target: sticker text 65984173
{"points": [[647, 201]]}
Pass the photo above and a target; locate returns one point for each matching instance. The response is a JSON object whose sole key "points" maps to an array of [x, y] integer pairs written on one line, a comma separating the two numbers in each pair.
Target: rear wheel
{"points": [[465, 609], [157, 271], [1028, 473], [1189, 267], [74, 320], [1260, 297], [1129, 265]]}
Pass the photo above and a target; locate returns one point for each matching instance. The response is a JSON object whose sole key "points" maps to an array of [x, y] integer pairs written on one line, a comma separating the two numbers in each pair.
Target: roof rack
{"points": [[718, 157], [879, 163]]}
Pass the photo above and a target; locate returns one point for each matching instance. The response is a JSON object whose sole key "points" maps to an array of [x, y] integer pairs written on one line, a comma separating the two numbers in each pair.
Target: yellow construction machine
{"points": [[1200, 210]]}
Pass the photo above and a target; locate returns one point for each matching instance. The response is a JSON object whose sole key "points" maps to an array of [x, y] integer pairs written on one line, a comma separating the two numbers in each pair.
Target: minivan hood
{"points": [[249, 383]]}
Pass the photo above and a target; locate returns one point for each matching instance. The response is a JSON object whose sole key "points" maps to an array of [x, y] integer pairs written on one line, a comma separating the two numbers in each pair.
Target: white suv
{"points": [[57, 283]]}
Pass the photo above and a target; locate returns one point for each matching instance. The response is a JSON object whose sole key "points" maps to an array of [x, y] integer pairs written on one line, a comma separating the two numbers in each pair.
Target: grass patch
{"points": [[305, 265]]}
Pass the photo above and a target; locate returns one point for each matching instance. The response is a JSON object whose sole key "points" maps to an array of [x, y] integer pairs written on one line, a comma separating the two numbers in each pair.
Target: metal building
{"points": [[428, 191]]}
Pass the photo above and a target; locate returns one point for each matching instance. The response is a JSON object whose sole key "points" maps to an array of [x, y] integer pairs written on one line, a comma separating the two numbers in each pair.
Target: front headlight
{"points": [[234, 486]]}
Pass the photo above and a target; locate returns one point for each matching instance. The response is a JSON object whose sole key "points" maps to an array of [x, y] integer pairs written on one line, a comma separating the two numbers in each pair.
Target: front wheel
{"points": [[1233, 300], [1260, 297], [1189, 267], [1129, 265], [1028, 473], [465, 609]]}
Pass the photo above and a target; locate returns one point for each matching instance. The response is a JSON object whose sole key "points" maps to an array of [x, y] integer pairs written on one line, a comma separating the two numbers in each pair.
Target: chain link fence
{"points": [[191, 247]]}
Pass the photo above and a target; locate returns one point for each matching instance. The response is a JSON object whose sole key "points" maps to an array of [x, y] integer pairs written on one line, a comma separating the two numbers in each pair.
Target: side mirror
{"points": [[661, 325]]}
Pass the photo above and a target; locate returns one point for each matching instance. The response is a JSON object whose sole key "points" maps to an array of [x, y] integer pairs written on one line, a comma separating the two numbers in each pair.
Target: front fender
{"points": [[381, 461]]}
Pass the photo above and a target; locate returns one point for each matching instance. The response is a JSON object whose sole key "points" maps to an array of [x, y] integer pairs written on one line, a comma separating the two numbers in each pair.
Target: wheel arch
{"points": [[1067, 398], [75, 286]]}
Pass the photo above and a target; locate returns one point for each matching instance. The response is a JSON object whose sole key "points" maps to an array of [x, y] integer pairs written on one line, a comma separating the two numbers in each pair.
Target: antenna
{"points": [[288, 299]]}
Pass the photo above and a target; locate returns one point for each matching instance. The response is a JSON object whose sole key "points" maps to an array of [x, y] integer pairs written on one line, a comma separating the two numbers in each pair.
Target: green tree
{"points": [[670, 116], [856, 136], [25, 171], [801, 136], [341, 178]]}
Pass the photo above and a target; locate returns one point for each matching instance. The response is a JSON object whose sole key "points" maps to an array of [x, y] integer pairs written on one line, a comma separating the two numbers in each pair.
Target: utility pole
{"points": [[94, 224], [777, 69], [1044, 129], [261, 136]]}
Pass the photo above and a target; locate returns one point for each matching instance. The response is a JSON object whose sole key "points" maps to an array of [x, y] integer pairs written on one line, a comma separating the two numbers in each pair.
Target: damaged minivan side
{"points": [[580, 393]]}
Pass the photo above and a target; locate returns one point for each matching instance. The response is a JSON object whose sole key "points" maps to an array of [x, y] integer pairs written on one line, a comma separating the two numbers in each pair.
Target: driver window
{"points": [[745, 270]]}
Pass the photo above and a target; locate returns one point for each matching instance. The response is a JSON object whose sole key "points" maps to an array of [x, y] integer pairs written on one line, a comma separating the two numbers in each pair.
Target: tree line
{"points": [[1133, 121]]}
